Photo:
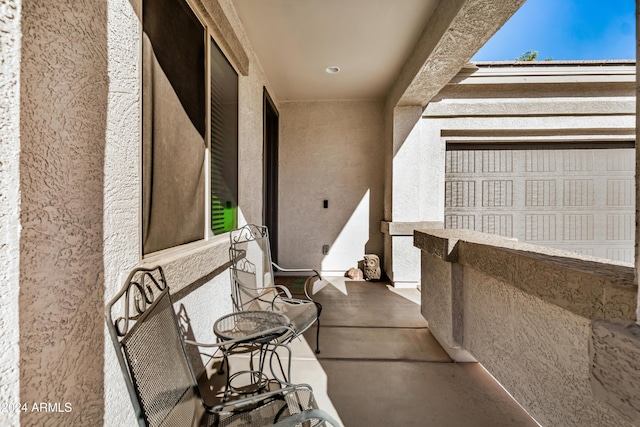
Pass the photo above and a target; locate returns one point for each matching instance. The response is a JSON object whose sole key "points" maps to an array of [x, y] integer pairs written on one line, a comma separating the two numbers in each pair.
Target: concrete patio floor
{"points": [[384, 368], [380, 366]]}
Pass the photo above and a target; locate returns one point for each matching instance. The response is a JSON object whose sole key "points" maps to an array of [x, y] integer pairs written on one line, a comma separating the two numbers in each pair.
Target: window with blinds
{"points": [[224, 143]]}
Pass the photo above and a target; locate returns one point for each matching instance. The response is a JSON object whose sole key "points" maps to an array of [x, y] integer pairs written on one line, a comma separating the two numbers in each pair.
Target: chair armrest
{"points": [[300, 270], [241, 405], [296, 270], [309, 414], [286, 291]]}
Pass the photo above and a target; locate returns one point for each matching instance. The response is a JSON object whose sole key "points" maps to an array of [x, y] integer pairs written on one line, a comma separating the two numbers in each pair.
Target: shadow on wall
{"points": [[63, 122], [195, 357]]}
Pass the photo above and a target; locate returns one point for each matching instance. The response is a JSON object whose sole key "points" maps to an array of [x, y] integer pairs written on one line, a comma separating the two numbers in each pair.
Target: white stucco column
{"points": [[455, 32], [416, 198], [10, 13]]}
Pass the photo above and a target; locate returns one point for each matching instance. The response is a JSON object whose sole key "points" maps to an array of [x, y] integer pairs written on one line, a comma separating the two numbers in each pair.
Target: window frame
{"points": [[208, 237]]}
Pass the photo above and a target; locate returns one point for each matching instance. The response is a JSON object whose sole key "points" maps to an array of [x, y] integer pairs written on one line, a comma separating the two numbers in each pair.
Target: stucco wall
{"points": [[122, 185], [197, 274], [9, 208], [439, 306], [524, 312], [537, 351], [330, 151], [70, 167], [412, 195], [615, 378], [64, 95]]}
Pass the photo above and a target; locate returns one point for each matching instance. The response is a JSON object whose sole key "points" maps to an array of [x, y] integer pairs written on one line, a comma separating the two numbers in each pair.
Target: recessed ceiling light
{"points": [[332, 69]]}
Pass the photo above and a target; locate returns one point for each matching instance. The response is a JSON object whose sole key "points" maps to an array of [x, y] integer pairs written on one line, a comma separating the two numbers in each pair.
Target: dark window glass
{"points": [[224, 143], [173, 125]]}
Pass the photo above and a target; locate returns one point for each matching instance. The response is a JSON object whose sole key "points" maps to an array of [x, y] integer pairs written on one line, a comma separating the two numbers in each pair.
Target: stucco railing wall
{"points": [[524, 312]]}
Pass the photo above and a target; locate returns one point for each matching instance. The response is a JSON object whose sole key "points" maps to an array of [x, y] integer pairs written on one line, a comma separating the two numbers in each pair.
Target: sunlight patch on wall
{"points": [[348, 248]]}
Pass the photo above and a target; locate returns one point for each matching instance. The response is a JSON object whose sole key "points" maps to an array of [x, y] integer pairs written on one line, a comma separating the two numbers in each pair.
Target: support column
{"points": [[63, 113], [416, 195]]}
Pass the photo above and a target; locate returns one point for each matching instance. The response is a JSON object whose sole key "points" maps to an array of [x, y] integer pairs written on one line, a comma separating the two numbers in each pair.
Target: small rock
{"points": [[354, 274]]}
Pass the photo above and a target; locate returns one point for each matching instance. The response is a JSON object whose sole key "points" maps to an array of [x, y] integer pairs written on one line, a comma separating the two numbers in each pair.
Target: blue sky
{"points": [[566, 30]]}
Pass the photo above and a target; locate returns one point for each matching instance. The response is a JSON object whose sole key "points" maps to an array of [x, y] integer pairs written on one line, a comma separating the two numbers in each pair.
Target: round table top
{"points": [[263, 326]]}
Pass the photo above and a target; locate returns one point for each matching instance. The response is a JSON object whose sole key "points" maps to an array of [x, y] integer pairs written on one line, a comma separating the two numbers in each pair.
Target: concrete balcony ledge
{"points": [[527, 314], [587, 286], [407, 228]]}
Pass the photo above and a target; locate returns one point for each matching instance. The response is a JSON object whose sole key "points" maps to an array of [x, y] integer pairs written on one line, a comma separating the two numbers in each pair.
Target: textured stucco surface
{"points": [[330, 151], [9, 207], [405, 270], [200, 306], [64, 98], [437, 299], [401, 186], [455, 32], [614, 350], [122, 185], [523, 311], [410, 160], [536, 350], [197, 274], [589, 287]]}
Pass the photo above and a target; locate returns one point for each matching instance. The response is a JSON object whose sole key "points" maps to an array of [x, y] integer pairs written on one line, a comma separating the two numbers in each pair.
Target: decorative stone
{"points": [[372, 267], [354, 274]]}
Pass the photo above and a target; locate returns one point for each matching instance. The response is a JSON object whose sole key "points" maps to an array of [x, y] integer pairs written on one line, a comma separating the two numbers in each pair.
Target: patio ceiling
{"points": [[369, 40]]}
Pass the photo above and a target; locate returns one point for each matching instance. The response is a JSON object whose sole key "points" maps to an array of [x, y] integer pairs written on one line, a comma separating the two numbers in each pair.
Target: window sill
{"points": [[187, 264]]}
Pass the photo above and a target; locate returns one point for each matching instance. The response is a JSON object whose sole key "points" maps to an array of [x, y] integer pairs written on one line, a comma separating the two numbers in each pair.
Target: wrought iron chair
{"points": [[253, 286], [163, 389]]}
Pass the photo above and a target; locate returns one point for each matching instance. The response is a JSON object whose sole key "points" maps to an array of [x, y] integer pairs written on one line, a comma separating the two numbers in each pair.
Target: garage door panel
{"points": [[578, 199]]}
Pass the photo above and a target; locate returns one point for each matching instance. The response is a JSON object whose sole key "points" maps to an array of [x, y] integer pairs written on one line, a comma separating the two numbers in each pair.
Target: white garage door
{"points": [[580, 199]]}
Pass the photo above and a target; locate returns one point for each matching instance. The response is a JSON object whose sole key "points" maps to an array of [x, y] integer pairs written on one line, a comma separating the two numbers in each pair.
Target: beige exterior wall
{"points": [[330, 151], [197, 273], [524, 312], [502, 104], [498, 104], [71, 222]]}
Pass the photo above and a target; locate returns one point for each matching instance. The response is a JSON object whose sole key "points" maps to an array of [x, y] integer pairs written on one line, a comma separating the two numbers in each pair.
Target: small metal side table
{"points": [[255, 328]]}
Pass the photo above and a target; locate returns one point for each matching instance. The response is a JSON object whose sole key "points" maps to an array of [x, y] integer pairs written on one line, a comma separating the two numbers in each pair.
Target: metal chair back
{"points": [[151, 352], [251, 268]]}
